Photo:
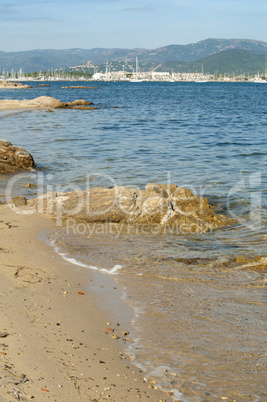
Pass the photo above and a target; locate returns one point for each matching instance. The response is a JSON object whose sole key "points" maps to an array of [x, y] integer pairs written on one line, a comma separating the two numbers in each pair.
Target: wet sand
{"points": [[55, 341]]}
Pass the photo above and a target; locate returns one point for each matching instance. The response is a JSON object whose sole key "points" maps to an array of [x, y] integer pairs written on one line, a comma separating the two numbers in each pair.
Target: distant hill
{"points": [[227, 62], [178, 56]]}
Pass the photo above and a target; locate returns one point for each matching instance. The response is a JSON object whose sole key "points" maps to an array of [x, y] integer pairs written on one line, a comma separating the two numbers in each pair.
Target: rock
{"points": [[179, 210], [42, 102], [79, 102], [19, 201], [181, 192], [240, 260], [14, 159], [30, 185], [158, 189], [13, 85], [85, 108], [114, 336], [256, 263]]}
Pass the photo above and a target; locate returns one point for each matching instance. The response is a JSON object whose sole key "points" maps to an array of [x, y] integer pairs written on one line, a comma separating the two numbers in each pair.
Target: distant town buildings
{"points": [[134, 76]]}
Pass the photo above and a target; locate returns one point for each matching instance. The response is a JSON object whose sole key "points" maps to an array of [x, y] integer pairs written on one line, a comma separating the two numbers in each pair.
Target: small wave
{"points": [[7, 113], [166, 371], [242, 144], [253, 154], [68, 139], [71, 260]]}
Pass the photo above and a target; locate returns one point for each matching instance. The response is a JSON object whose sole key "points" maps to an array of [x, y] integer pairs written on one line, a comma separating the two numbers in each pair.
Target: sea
{"points": [[198, 300]]}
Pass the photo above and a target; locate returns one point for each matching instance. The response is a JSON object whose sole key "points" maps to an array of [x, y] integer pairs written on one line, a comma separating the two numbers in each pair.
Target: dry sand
{"points": [[53, 341]]}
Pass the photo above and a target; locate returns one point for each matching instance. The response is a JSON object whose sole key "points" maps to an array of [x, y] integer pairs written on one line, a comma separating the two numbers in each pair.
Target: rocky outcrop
{"points": [[14, 159], [14, 85], [44, 102], [162, 205]]}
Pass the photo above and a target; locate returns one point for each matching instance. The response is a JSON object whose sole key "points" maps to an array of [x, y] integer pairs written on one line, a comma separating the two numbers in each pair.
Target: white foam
{"points": [[164, 371], [71, 260]]}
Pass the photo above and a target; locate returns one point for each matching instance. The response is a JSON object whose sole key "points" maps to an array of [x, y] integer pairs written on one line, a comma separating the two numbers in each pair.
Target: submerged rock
{"points": [[79, 102], [19, 201], [165, 206], [14, 159]]}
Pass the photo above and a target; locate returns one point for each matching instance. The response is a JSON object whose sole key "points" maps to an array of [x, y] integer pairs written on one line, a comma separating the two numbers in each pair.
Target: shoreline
{"points": [[59, 346]]}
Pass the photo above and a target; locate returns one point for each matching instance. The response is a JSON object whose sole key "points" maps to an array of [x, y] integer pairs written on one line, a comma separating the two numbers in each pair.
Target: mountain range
{"points": [[216, 55]]}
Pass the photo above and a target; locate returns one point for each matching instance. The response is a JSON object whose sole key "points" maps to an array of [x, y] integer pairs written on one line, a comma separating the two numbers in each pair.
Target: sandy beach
{"points": [[56, 343]]}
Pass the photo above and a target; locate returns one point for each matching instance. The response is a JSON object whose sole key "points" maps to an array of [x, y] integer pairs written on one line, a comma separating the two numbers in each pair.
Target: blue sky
{"points": [[63, 24]]}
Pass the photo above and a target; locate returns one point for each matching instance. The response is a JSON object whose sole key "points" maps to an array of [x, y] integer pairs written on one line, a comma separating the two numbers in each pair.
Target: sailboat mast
{"points": [[137, 66]]}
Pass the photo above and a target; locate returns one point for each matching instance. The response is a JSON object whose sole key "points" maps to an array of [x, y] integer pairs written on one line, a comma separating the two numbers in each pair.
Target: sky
{"points": [[87, 24]]}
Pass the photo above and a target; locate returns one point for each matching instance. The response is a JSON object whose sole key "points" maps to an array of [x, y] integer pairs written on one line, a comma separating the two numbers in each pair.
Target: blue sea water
{"points": [[208, 135], [199, 326]]}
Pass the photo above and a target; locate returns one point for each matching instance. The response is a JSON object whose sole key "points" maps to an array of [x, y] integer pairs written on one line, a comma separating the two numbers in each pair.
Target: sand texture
{"points": [[54, 341]]}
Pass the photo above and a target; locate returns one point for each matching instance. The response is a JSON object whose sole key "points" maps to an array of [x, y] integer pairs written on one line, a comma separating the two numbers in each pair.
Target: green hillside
{"points": [[228, 62], [214, 54]]}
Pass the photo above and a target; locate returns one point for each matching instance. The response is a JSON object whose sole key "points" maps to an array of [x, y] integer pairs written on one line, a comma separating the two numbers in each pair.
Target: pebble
{"points": [[115, 336], [145, 379]]}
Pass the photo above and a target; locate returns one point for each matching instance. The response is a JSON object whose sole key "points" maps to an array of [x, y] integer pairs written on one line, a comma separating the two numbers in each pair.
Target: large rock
{"points": [[43, 102], [13, 85], [14, 159], [165, 206]]}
